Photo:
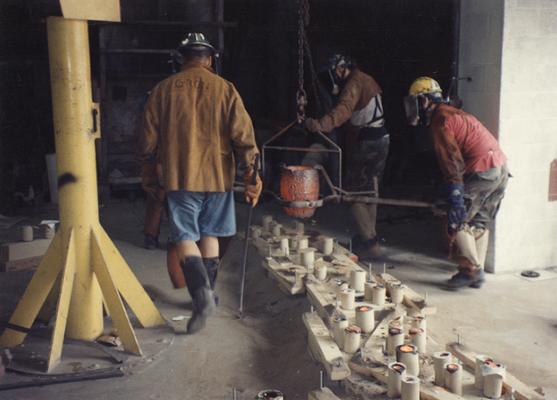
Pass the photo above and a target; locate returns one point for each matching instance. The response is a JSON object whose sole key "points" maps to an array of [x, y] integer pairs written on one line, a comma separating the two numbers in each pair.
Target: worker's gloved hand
{"points": [[252, 191], [457, 210], [312, 125]]}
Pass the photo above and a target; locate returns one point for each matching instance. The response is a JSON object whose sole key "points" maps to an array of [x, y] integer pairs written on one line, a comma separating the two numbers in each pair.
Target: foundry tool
{"points": [[246, 241], [299, 185]]}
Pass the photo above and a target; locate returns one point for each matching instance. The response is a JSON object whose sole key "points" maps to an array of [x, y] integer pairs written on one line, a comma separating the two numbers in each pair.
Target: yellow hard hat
{"points": [[424, 85]]}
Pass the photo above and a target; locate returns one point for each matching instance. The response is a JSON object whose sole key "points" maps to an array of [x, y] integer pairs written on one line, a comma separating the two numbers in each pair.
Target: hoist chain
{"points": [[303, 21]]}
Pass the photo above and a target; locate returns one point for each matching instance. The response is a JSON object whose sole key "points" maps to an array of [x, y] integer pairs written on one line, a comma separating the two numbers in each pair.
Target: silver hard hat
{"points": [[195, 40]]}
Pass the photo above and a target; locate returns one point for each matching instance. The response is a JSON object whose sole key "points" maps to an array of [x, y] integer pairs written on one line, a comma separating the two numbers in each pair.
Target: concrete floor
{"points": [[512, 319]]}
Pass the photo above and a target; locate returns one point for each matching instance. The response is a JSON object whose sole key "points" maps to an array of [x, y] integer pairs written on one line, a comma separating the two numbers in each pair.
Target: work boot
{"points": [[357, 243], [199, 287], [212, 265], [479, 279], [466, 277], [151, 242], [203, 307], [370, 249]]}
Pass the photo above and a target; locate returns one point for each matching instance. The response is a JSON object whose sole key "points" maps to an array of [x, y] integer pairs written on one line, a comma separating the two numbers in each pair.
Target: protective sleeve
{"points": [[241, 130], [343, 110], [448, 152], [149, 136]]}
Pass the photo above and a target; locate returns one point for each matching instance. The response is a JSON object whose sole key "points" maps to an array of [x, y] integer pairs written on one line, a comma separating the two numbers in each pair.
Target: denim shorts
{"points": [[196, 214]]}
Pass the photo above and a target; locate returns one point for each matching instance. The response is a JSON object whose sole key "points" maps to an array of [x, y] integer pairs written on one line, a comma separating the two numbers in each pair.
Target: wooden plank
{"points": [[522, 391], [322, 394], [23, 250], [324, 347], [20, 265], [412, 299], [318, 299], [322, 295], [427, 390], [344, 258], [374, 344], [291, 283]]}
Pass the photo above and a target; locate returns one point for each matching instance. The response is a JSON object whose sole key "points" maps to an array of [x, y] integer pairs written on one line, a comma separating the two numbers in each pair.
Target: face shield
{"points": [[412, 110], [335, 88]]}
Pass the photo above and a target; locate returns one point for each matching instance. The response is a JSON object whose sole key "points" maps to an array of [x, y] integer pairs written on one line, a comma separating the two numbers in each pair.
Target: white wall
{"points": [[509, 48], [481, 33], [481, 38], [526, 229]]}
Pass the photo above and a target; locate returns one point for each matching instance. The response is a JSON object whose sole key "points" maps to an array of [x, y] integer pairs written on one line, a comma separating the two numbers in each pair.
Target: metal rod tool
{"points": [[246, 242]]}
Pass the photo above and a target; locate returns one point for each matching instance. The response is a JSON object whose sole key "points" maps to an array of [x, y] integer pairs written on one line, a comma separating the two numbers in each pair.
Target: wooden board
{"points": [[324, 347], [22, 250], [412, 299], [375, 343], [322, 295], [322, 394], [428, 391], [522, 391], [20, 265], [288, 282]]}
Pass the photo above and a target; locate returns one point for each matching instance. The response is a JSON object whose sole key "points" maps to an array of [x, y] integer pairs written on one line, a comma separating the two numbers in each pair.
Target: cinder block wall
{"points": [[526, 230], [481, 34], [509, 48], [481, 38]]}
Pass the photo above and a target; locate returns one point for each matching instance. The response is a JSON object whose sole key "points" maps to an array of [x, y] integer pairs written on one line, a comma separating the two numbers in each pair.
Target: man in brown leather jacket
{"points": [[360, 107], [195, 124]]}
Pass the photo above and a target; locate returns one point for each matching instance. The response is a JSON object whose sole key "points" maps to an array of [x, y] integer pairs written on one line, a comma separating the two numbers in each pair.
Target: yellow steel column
{"points": [[68, 47]]}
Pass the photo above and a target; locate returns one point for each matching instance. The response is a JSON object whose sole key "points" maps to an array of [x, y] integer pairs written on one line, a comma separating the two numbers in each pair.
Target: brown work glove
{"points": [[251, 191], [312, 125]]}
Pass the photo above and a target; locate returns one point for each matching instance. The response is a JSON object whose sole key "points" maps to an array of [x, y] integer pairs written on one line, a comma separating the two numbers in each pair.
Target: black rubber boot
{"points": [[212, 265], [200, 291], [151, 242]]}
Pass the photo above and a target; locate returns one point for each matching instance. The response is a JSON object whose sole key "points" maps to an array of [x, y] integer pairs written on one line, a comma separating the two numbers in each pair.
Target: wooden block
{"points": [[322, 394], [319, 296], [380, 373], [412, 299], [288, 283], [373, 346], [21, 250], [522, 391], [324, 347], [20, 265]]}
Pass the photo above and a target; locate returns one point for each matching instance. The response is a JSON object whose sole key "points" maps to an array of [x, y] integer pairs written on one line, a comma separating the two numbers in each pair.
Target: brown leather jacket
{"points": [[359, 89], [194, 125]]}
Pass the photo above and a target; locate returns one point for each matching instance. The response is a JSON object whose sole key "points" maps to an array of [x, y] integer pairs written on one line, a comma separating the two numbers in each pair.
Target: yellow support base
{"points": [[82, 270], [117, 283]]}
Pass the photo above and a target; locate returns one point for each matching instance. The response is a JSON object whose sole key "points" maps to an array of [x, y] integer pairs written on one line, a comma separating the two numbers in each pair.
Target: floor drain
{"points": [[530, 274]]}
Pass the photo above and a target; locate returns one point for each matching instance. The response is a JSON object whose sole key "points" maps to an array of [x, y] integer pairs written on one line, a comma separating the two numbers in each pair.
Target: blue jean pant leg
{"points": [[218, 216], [183, 214]]}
